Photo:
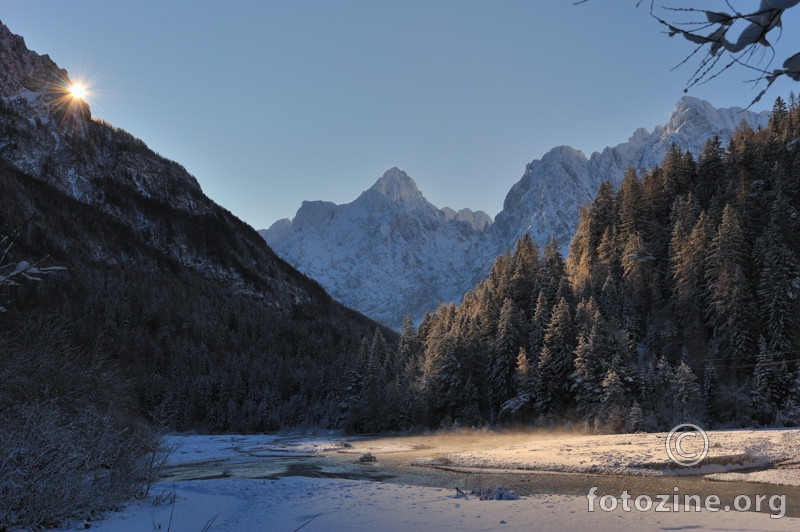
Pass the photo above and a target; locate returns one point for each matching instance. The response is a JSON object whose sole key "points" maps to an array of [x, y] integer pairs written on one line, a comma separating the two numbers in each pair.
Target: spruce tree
{"points": [[613, 408], [710, 389], [556, 361], [729, 299], [687, 265], [778, 290], [631, 214], [687, 394], [525, 276], [771, 382], [504, 355], [553, 274], [536, 329], [593, 356], [711, 169]]}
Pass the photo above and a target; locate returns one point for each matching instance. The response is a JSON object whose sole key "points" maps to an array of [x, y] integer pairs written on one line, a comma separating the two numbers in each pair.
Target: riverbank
{"points": [[252, 483]]}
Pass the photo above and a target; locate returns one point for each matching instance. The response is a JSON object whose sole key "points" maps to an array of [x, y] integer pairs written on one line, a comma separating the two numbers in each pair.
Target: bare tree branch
{"points": [[739, 37]]}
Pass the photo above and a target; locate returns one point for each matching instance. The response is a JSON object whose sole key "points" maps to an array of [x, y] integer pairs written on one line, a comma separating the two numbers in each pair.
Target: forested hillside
{"points": [[165, 312], [678, 302]]}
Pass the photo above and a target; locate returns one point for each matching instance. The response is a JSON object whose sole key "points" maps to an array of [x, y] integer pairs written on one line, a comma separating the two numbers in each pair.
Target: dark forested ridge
{"points": [[168, 312], [237, 340], [678, 302]]}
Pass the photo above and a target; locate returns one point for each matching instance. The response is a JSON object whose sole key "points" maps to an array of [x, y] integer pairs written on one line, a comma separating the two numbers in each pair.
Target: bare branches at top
{"points": [[734, 37]]}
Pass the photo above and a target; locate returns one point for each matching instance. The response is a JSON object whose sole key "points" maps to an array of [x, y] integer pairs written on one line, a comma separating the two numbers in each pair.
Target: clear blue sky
{"points": [[270, 103]]}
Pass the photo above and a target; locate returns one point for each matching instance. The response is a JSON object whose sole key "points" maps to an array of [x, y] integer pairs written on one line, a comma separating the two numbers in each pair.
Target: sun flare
{"points": [[77, 91]]}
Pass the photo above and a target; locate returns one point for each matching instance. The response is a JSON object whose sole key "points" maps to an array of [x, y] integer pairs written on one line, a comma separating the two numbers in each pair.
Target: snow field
{"points": [[337, 504]]}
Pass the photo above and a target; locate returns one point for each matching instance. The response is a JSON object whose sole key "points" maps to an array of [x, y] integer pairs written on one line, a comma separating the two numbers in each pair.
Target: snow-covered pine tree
{"points": [[504, 356], [771, 382], [730, 305], [593, 356], [639, 275], [614, 408], [541, 315], [556, 361], [687, 267], [778, 289], [525, 380], [687, 395]]}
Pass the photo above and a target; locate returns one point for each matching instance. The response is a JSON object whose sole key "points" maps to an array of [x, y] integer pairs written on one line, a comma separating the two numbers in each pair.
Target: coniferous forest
{"points": [[677, 302]]}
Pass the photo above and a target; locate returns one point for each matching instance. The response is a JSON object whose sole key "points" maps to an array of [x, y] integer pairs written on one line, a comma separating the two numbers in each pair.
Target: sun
{"points": [[78, 91]]}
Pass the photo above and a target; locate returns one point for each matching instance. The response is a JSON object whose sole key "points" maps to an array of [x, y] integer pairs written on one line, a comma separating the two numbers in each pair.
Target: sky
{"points": [[269, 103]]}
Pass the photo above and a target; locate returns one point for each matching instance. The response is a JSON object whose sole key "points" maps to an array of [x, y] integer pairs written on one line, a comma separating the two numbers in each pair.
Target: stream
{"points": [[395, 457]]}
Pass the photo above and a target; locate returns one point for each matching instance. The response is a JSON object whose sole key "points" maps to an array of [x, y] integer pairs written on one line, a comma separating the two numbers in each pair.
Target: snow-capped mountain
{"points": [[545, 201], [390, 252]]}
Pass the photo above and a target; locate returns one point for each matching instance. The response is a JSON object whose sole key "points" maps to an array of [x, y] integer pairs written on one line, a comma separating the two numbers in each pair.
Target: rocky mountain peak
{"points": [[35, 79], [398, 187], [692, 115]]}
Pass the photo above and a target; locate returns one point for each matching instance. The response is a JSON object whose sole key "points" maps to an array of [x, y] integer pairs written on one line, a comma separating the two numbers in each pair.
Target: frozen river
{"points": [[472, 461]]}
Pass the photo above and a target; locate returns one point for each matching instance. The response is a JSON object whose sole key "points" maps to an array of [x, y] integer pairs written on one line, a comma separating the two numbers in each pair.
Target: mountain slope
{"points": [[390, 252], [188, 306]]}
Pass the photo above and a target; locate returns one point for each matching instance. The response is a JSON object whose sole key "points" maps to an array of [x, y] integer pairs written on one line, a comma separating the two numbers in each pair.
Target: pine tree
{"points": [[631, 215], [504, 355], [711, 170], [779, 117], [376, 413], [771, 382], [679, 172], [729, 300], [789, 414], [687, 265], [553, 274], [525, 376], [450, 378], [614, 400], [556, 361], [778, 289], [541, 315], [710, 388], [525, 381], [663, 385], [687, 394], [639, 275], [525, 277], [593, 356]]}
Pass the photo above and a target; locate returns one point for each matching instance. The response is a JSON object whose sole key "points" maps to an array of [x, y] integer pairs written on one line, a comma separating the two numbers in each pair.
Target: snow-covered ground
{"points": [[290, 502]]}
